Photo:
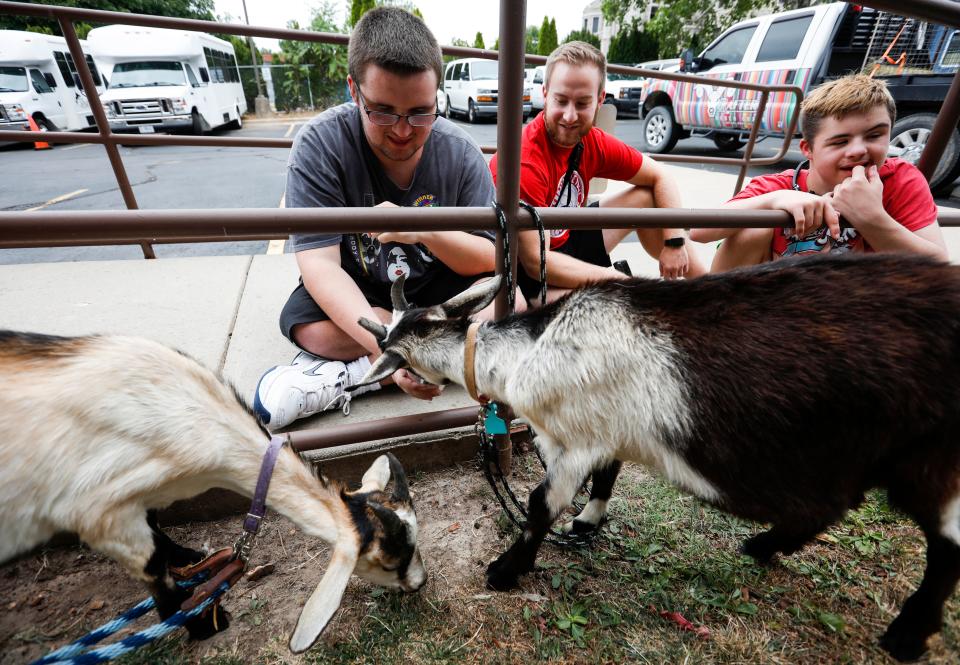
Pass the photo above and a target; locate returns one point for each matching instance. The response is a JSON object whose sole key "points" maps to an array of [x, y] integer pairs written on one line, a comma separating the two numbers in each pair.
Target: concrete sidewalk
{"points": [[224, 310]]}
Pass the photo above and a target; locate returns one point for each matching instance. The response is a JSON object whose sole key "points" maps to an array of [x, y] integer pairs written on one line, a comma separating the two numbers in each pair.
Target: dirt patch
{"points": [[59, 593]]}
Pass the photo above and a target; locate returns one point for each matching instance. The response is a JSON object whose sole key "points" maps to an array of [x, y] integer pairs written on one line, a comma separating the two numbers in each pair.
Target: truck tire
{"points": [[727, 142], [447, 111], [196, 126], [238, 123], [908, 138], [660, 132], [472, 116]]}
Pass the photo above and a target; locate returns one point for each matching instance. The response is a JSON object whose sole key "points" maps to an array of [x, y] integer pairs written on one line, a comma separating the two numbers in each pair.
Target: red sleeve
{"points": [[765, 184], [614, 159], [907, 197], [534, 188]]}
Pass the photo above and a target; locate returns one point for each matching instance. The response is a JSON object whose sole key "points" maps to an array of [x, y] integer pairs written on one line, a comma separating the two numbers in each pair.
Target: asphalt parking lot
{"points": [[79, 177]]}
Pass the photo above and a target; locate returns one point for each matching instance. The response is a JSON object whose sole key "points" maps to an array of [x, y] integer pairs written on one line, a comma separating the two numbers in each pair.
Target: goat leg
{"points": [[546, 503], [601, 489], [922, 614]]}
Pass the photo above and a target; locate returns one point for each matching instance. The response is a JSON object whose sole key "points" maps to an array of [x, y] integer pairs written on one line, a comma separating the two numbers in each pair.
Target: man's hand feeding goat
{"points": [[96, 432], [779, 393]]}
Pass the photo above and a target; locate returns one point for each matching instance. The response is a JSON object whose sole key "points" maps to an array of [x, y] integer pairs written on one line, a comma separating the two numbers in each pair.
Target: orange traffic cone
{"points": [[37, 145]]}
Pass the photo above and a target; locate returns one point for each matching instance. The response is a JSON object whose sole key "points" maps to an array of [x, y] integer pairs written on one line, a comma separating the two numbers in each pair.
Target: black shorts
{"points": [[584, 244], [302, 308]]}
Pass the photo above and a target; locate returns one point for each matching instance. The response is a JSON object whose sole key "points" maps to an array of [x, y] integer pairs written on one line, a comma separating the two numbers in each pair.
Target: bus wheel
{"points": [[44, 124], [197, 123], [238, 123]]}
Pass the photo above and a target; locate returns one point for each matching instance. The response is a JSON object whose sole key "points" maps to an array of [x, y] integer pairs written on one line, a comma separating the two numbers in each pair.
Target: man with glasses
{"points": [[387, 148]]}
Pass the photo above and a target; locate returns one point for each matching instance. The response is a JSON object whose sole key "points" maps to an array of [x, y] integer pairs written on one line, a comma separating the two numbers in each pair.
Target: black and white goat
{"points": [[97, 432], [779, 393]]}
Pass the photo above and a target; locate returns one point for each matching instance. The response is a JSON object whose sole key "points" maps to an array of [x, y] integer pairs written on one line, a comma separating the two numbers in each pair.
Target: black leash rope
{"points": [[508, 273], [543, 249], [514, 509]]}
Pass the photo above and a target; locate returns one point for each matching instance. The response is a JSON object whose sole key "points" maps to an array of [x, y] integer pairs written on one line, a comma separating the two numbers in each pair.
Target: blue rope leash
{"points": [[72, 654]]}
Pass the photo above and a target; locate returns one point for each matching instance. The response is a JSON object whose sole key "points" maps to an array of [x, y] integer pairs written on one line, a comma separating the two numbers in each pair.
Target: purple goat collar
{"points": [[258, 506]]}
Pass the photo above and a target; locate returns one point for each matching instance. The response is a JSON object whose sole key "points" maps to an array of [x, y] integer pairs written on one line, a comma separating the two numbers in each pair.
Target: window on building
{"points": [[783, 39], [596, 24]]}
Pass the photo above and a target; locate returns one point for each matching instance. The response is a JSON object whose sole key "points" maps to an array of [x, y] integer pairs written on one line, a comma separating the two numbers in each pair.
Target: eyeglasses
{"points": [[388, 119]]}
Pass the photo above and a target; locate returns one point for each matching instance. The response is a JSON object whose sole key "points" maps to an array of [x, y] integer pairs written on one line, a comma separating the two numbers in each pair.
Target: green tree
{"points": [[582, 36], [199, 9], [548, 37], [318, 69], [358, 8], [630, 46], [680, 23], [478, 40]]}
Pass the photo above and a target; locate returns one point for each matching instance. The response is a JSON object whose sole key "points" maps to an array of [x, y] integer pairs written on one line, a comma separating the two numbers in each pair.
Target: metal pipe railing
{"points": [[220, 225]]}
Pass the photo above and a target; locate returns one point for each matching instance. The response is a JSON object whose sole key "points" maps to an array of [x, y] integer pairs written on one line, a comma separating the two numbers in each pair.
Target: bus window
{"points": [[39, 83], [93, 70], [13, 79], [204, 75], [191, 76], [65, 70]]}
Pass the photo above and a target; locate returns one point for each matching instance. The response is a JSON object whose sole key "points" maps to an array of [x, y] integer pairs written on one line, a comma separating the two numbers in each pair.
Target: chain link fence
{"points": [[293, 88]]}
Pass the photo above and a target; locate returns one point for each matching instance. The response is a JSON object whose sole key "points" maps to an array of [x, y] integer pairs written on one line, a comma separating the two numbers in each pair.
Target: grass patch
{"points": [[663, 583]]}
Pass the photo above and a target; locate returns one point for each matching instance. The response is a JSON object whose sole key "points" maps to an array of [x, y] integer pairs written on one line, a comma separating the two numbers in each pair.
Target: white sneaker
{"points": [[288, 392]]}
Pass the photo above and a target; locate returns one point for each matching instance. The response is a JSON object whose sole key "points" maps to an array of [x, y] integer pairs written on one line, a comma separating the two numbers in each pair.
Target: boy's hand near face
{"points": [[809, 211], [859, 198]]}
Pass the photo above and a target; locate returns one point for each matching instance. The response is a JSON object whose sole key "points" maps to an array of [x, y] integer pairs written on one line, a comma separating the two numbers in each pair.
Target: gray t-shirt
{"points": [[331, 165]]}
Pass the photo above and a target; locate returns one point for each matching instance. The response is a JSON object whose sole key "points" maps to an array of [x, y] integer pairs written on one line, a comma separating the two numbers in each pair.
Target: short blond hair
{"points": [[576, 54], [857, 93]]}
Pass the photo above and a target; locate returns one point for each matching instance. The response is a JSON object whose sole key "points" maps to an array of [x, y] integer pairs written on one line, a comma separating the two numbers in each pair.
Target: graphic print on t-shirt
{"points": [[786, 243], [559, 236]]}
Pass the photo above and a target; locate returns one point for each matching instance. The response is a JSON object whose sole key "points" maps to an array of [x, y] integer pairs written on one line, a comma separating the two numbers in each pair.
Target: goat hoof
{"points": [[903, 648], [580, 528], [207, 625], [501, 576], [758, 548]]}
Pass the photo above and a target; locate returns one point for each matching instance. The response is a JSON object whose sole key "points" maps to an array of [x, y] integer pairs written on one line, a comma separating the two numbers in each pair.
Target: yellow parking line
{"points": [[293, 125], [57, 199], [76, 145]]}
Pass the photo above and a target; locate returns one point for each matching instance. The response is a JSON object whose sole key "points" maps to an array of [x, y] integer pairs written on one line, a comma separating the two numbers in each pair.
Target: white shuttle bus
{"points": [[38, 79], [167, 80]]}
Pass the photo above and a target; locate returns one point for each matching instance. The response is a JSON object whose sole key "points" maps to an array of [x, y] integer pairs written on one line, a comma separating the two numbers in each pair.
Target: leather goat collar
{"points": [[470, 363]]}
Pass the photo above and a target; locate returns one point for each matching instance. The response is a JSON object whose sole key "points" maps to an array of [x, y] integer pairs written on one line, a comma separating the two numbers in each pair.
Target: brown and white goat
{"points": [[97, 432], [779, 393]]}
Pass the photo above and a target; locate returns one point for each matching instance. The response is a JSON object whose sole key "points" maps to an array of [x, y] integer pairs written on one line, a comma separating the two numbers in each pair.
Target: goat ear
{"points": [[473, 299], [377, 476], [325, 599], [401, 490], [384, 366], [378, 330]]}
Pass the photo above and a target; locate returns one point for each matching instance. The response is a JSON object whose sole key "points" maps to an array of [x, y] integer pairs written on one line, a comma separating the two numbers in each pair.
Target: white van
{"points": [[38, 79], [159, 79], [470, 88], [534, 79]]}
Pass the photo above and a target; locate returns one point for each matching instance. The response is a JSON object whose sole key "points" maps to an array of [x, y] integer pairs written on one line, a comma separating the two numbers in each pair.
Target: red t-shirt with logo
{"points": [[906, 198], [543, 165]]}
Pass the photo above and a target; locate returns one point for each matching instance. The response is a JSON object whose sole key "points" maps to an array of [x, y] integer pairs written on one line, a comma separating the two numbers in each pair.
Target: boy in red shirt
{"points": [[560, 152], [850, 198]]}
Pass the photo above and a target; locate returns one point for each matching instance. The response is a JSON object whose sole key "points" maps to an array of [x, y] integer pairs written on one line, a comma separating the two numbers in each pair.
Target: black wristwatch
{"points": [[674, 242]]}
